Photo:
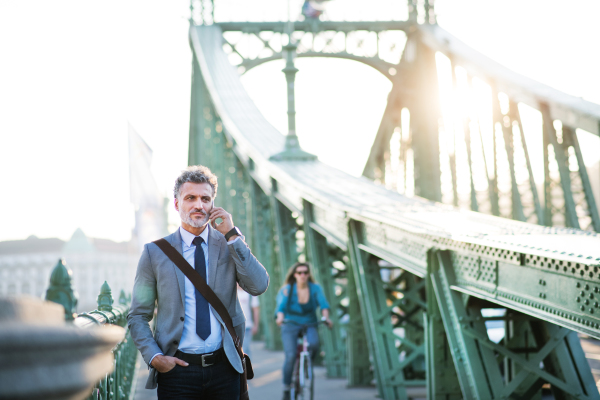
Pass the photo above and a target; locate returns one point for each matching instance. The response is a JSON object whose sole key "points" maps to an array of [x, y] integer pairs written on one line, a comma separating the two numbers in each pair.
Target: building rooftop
{"points": [[79, 243]]}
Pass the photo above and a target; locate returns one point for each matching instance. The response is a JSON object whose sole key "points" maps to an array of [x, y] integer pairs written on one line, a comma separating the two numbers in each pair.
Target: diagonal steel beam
{"points": [[563, 168], [516, 115], [381, 337], [585, 179]]}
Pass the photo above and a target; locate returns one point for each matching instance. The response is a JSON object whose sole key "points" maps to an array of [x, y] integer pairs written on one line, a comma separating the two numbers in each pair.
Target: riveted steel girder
{"points": [[476, 356], [442, 379], [391, 382], [359, 363]]}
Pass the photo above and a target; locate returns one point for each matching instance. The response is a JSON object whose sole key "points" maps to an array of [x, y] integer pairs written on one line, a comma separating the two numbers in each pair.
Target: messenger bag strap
{"points": [[203, 288]]}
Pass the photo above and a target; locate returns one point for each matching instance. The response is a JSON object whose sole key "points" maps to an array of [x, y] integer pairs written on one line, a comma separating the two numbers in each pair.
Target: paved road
{"points": [[266, 384]]}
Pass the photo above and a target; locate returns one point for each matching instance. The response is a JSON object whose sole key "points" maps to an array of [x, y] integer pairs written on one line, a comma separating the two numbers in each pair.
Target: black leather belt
{"points": [[206, 360]]}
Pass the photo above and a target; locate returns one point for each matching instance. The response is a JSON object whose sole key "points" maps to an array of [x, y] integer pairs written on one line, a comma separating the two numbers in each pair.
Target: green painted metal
{"points": [[424, 115], [571, 219], [505, 122], [375, 165], [105, 300], [474, 205], [119, 384], [495, 195], [406, 298], [359, 365], [292, 150], [285, 234], [61, 289], [516, 115], [198, 140], [311, 29], [470, 365], [329, 278], [241, 196], [492, 187], [386, 296], [391, 383], [442, 380], [585, 179], [123, 300], [467, 133], [452, 159], [263, 248], [476, 356]]}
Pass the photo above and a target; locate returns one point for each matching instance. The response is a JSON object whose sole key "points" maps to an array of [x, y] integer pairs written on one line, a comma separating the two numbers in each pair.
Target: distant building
{"points": [[26, 265]]}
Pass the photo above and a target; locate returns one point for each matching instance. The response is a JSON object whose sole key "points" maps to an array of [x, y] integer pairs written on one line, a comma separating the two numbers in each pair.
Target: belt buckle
{"points": [[204, 364]]}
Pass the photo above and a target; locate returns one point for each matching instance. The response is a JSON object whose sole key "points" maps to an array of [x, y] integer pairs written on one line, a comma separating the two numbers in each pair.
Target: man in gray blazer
{"points": [[191, 354]]}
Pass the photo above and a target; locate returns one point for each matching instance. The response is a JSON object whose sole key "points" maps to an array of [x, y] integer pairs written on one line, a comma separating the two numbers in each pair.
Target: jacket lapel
{"points": [[177, 242], [214, 248]]}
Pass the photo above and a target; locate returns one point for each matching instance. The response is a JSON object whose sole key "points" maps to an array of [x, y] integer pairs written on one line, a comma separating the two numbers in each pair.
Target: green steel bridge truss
{"points": [[410, 280]]}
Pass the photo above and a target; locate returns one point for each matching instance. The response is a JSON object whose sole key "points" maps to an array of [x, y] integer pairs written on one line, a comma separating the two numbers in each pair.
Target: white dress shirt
{"points": [[190, 341]]}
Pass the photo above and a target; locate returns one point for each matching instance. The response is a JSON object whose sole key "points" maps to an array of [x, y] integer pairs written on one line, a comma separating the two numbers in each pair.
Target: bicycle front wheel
{"points": [[307, 381]]}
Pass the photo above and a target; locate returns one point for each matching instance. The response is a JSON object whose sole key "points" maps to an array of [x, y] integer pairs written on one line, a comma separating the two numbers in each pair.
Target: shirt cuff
{"points": [[157, 354], [235, 240]]}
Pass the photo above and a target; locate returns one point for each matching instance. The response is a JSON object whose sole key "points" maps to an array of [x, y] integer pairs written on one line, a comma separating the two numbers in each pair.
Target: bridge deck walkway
{"points": [[267, 381]]}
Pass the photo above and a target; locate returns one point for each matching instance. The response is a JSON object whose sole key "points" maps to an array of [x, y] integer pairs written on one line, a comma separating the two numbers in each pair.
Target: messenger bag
{"points": [[210, 296]]}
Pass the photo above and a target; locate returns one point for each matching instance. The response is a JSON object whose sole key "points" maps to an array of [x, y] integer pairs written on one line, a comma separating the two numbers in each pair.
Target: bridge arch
{"points": [[387, 69]]}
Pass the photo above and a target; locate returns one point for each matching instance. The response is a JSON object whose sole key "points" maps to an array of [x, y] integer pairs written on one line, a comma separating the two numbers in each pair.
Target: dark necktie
{"points": [[202, 311]]}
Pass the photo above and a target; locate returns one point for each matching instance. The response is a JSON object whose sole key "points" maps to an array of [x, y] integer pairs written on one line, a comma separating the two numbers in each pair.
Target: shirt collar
{"points": [[188, 237]]}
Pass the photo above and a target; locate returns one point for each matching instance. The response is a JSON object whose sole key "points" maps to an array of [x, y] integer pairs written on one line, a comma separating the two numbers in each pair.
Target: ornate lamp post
{"points": [[292, 150]]}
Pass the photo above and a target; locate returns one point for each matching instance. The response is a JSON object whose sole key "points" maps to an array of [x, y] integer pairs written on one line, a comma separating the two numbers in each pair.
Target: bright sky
{"points": [[73, 73]]}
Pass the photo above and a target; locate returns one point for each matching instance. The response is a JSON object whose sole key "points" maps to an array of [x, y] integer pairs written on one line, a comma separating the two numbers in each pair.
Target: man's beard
{"points": [[196, 223]]}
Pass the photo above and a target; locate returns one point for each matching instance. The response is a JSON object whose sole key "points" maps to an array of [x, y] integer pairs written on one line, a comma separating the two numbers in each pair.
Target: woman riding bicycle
{"points": [[297, 303]]}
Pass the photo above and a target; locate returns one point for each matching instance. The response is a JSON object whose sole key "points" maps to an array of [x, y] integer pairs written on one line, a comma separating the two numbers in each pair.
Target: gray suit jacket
{"points": [[159, 279]]}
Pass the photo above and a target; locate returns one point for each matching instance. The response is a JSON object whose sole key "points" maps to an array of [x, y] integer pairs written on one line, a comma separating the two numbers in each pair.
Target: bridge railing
{"points": [[118, 384]]}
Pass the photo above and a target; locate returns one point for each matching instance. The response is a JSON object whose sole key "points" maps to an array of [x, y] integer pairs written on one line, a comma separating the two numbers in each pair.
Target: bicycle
{"points": [[303, 383]]}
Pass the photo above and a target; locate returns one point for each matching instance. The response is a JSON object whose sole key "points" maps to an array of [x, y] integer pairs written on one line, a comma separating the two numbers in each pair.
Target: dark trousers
{"points": [[194, 382]]}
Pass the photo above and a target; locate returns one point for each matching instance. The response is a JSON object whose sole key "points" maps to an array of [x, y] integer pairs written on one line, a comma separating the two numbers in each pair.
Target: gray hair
{"points": [[196, 174]]}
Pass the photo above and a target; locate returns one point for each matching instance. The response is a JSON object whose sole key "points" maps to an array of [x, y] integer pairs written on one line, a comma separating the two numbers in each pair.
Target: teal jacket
{"points": [[301, 313]]}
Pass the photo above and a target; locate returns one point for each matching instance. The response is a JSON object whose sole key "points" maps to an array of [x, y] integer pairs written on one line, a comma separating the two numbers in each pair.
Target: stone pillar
{"points": [[42, 357]]}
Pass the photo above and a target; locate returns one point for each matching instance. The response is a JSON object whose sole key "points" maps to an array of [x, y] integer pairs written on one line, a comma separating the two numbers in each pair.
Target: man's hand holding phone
{"points": [[225, 225]]}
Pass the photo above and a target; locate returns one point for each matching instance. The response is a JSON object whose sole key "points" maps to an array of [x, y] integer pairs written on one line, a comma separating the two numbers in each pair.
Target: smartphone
{"points": [[212, 222]]}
